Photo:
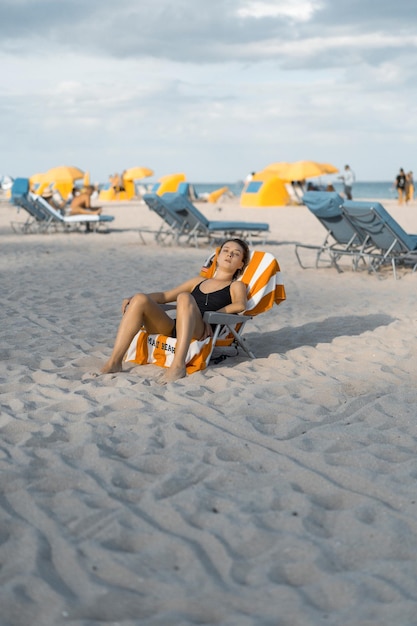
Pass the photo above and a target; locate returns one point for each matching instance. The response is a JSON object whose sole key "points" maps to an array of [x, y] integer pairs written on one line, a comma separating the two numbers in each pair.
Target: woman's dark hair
{"points": [[246, 253]]}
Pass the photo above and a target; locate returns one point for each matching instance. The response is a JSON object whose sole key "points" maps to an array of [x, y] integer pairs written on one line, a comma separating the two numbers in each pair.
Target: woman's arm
{"points": [[163, 297], [171, 294], [239, 300]]}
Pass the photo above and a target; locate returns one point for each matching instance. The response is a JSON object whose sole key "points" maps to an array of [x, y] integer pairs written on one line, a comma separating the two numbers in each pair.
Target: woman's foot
{"points": [[111, 368], [174, 373]]}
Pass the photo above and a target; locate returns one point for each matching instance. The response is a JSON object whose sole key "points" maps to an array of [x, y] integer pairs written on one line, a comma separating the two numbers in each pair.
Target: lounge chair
{"points": [[197, 225], [172, 225], [341, 239], [265, 288], [188, 190], [55, 219], [22, 199], [390, 243], [43, 217], [295, 192]]}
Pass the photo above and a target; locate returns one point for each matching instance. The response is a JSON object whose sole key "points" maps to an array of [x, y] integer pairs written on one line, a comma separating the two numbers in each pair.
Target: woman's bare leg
{"points": [[189, 326], [142, 311], [400, 196]]}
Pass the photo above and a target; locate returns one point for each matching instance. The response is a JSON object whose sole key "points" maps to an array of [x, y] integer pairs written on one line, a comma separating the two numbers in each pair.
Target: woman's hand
{"points": [[125, 304]]}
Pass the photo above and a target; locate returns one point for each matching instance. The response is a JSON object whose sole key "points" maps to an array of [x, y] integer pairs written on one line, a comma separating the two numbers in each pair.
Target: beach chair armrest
{"points": [[234, 322], [214, 317]]}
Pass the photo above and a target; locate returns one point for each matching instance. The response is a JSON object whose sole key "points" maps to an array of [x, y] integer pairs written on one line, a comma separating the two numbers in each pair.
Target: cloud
{"points": [[220, 86], [300, 11], [205, 32]]}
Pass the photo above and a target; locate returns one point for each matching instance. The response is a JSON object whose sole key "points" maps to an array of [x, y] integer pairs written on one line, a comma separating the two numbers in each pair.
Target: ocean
{"points": [[361, 190]]}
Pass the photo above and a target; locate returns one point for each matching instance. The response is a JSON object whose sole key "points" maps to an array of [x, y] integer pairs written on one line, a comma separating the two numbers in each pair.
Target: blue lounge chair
{"points": [[44, 217], [197, 225], [55, 219], [341, 239], [188, 190], [390, 243], [172, 225], [21, 198]]}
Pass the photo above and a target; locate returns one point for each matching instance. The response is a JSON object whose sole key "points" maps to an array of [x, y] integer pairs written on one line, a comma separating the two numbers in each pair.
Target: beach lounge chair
{"points": [[265, 288], [42, 217], [295, 193], [172, 225], [341, 239], [55, 220], [188, 190], [198, 226], [22, 199], [386, 240]]}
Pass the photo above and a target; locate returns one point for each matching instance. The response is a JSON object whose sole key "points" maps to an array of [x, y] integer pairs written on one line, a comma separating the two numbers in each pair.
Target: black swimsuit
{"points": [[211, 301], [208, 301]]}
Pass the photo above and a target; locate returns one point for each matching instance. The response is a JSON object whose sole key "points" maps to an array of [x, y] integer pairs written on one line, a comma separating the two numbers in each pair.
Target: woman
{"points": [[409, 187], [220, 293]]}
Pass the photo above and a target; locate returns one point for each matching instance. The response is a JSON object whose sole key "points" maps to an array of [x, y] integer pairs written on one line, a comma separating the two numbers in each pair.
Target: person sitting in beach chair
{"points": [[81, 203], [262, 279], [54, 199], [223, 292]]}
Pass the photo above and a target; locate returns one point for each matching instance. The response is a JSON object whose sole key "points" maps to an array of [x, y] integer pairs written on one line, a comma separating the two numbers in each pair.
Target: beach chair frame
{"points": [[172, 226], [387, 242], [21, 198], [54, 220], [342, 238]]}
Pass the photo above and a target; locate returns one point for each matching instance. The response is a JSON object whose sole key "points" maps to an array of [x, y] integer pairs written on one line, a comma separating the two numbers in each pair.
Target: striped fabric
{"points": [[160, 349], [262, 275], [265, 288]]}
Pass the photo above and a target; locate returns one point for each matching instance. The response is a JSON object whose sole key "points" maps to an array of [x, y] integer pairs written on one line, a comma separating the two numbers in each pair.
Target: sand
{"points": [[275, 492]]}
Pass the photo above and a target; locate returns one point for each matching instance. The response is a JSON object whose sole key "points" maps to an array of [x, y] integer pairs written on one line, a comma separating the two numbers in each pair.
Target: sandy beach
{"points": [[279, 491]]}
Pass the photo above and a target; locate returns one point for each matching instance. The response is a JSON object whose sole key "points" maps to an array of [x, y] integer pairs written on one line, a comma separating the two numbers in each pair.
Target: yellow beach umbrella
{"points": [[300, 170], [136, 173], [277, 168], [37, 178], [39, 182], [62, 178], [329, 168], [64, 172]]}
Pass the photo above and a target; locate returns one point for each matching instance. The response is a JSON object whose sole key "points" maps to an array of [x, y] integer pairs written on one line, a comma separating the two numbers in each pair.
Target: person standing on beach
{"points": [[348, 179], [409, 187], [400, 183], [222, 293]]}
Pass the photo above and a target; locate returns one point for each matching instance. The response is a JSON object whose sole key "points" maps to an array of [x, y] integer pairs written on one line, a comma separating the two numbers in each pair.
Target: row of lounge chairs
{"points": [[363, 231], [41, 217], [182, 222]]}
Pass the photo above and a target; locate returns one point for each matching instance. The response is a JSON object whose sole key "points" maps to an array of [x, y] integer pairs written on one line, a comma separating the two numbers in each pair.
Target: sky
{"points": [[212, 88]]}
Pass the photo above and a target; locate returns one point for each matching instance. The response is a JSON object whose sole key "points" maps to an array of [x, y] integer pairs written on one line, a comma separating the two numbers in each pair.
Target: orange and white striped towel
{"points": [[263, 277], [265, 288], [160, 350]]}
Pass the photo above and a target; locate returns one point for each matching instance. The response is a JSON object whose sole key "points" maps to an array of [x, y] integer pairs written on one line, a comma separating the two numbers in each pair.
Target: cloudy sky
{"points": [[212, 88]]}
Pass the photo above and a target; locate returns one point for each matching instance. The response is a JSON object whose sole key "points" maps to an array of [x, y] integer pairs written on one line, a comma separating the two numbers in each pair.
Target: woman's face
{"points": [[232, 254]]}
